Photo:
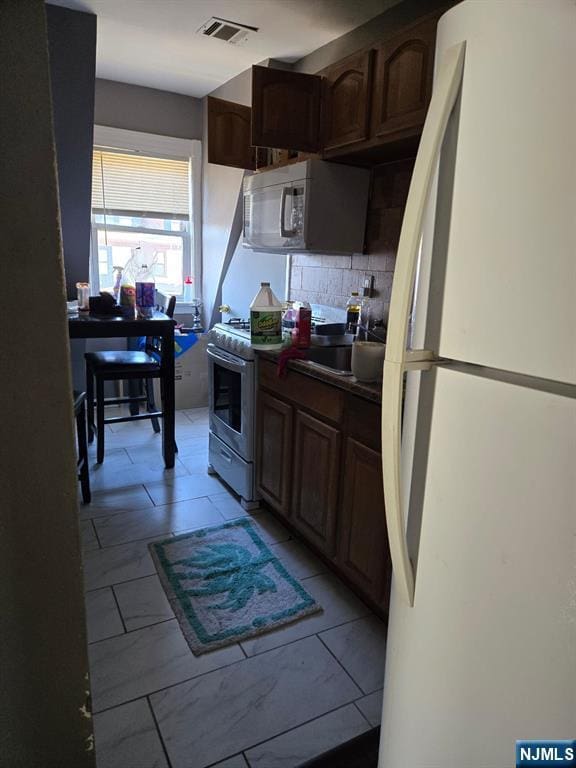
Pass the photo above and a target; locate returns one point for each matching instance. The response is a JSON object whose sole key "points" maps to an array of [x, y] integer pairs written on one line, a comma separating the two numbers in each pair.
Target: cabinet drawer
{"points": [[311, 394], [363, 421]]}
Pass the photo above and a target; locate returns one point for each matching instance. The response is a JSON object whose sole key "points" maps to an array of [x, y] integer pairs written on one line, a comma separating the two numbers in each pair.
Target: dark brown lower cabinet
{"points": [[274, 451], [363, 553], [315, 487], [319, 467]]}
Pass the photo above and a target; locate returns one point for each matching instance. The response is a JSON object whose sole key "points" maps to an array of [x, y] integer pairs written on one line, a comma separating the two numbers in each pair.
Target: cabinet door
{"points": [[315, 481], [363, 552], [285, 109], [346, 100], [229, 134], [274, 452], [404, 69]]}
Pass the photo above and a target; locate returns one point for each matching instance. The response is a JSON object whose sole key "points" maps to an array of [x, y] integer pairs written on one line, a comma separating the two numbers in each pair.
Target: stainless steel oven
{"points": [[231, 383], [231, 400]]}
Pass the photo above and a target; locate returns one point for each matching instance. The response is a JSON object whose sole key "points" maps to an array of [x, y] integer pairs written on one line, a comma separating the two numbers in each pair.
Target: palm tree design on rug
{"points": [[227, 569]]}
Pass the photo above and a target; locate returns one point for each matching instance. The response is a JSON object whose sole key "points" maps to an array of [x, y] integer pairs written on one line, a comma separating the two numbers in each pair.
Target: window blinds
{"points": [[139, 184]]}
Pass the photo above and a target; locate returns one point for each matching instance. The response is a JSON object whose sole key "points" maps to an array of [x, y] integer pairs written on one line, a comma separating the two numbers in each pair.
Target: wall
{"points": [[72, 49], [135, 108], [72, 46], [43, 657], [221, 188]]}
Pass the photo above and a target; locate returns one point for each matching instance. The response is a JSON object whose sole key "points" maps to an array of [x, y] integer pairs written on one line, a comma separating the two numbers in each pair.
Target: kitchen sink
{"points": [[336, 359]]}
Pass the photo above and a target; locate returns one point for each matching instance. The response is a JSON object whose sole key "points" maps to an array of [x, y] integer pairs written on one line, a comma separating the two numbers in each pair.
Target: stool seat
{"points": [[121, 359]]}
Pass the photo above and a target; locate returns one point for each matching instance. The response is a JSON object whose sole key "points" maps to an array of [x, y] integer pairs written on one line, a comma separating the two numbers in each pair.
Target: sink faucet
{"points": [[368, 332]]}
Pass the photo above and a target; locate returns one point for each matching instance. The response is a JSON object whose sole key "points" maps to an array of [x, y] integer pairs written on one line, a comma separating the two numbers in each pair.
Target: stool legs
{"points": [[90, 403], [150, 403], [83, 454], [99, 419]]}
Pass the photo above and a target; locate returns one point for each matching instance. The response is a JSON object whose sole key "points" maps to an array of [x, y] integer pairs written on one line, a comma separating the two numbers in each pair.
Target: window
{"points": [[143, 199]]}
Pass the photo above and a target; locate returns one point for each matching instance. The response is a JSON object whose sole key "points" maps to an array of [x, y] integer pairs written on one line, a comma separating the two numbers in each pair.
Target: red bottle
{"points": [[303, 328]]}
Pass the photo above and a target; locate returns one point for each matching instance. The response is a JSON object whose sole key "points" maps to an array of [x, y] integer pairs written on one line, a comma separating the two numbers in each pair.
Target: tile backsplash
{"points": [[328, 280]]}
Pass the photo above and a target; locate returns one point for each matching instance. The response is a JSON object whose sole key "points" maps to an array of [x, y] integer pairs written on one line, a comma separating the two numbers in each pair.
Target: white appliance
{"points": [[481, 495], [232, 408], [308, 206]]}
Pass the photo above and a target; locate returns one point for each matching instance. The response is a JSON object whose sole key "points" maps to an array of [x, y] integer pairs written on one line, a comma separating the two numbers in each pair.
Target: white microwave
{"points": [[312, 206]]}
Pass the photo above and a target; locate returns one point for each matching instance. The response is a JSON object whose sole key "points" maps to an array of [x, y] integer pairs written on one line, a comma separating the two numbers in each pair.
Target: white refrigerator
{"points": [[479, 408]]}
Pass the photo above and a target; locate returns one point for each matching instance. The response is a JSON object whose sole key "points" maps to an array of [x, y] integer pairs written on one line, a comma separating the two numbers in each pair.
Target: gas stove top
{"points": [[237, 323], [233, 336]]}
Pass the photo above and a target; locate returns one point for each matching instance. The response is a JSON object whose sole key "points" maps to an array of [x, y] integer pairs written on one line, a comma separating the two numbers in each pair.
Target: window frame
{"points": [[121, 140]]}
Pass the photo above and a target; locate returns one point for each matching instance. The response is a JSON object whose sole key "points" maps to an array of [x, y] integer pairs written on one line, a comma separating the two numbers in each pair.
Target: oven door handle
{"points": [[231, 362]]}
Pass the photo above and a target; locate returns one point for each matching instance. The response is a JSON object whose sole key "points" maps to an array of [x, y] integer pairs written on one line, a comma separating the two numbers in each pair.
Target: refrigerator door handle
{"points": [[398, 358]]}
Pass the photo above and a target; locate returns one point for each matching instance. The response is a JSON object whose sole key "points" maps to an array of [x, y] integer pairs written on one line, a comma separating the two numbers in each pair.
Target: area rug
{"points": [[225, 585]]}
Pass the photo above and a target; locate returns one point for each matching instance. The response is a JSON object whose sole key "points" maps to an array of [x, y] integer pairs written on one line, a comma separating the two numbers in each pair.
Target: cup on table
{"points": [[368, 360], [83, 293]]}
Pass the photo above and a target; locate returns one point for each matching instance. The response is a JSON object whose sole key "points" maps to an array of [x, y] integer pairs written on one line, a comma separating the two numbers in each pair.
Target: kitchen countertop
{"points": [[371, 392]]}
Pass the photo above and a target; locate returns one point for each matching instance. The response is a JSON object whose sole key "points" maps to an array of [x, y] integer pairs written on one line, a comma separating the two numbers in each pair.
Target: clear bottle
{"points": [[117, 283], [266, 320], [145, 292], [353, 310], [366, 320], [288, 322]]}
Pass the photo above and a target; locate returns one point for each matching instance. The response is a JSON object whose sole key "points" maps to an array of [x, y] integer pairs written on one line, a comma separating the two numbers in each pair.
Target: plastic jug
{"points": [[266, 320]]}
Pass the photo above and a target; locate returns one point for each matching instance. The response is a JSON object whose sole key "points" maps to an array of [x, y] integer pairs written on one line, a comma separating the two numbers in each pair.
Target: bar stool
{"points": [[123, 365], [82, 463]]}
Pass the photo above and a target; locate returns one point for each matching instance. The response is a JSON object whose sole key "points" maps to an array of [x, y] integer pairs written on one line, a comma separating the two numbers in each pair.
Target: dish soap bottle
{"points": [[266, 320], [353, 309], [188, 295]]}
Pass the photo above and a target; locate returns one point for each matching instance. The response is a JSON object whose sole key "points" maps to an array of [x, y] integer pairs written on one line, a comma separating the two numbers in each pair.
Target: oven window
{"points": [[228, 397]]}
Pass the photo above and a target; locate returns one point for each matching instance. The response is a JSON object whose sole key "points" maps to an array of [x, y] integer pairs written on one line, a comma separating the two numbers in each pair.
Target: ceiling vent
{"points": [[228, 31]]}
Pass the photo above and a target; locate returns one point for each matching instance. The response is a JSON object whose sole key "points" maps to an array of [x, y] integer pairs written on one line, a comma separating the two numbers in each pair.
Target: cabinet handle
{"points": [[398, 359]]}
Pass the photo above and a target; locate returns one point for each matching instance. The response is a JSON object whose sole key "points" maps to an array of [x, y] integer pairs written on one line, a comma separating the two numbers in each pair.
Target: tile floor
{"points": [[271, 702]]}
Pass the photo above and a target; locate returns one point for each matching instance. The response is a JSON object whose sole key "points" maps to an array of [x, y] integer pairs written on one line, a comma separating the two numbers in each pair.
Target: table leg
{"points": [[169, 401]]}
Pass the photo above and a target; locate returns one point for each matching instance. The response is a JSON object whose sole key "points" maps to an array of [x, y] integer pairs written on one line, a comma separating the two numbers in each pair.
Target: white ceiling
{"points": [[154, 42]]}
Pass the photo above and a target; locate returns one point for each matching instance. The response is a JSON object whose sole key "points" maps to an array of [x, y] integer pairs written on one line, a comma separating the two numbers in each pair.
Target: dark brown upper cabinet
{"points": [[229, 134], [346, 100], [365, 110], [403, 81], [285, 109]]}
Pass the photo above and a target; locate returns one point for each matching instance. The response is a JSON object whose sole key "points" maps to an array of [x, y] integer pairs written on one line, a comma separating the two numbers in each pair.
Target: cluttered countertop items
{"points": [[347, 354]]}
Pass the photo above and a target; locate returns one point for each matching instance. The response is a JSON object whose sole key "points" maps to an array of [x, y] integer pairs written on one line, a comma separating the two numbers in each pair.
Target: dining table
{"points": [[86, 325]]}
